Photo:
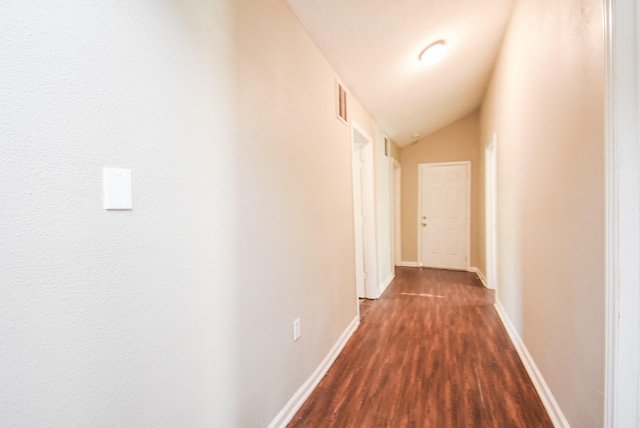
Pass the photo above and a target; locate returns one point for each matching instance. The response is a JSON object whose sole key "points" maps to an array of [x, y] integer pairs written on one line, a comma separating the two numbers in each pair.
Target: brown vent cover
{"points": [[341, 97]]}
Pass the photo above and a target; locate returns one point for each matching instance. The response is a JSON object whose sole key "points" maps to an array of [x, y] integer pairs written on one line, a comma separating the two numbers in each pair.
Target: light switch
{"points": [[117, 189]]}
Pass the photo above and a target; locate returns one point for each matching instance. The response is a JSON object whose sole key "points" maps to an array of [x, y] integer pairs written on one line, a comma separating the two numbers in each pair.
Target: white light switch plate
{"points": [[118, 193], [296, 329]]}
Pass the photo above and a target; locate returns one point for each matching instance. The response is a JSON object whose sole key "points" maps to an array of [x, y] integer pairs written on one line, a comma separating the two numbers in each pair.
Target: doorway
{"points": [[444, 215], [397, 213], [491, 214], [363, 214]]}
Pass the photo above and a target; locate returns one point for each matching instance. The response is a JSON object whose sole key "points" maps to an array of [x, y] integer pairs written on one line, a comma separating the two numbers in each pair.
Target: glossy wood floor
{"points": [[431, 352]]}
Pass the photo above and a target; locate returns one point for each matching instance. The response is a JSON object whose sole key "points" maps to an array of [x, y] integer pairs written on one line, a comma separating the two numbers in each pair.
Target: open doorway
{"points": [[491, 214], [363, 213], [397, 213]]}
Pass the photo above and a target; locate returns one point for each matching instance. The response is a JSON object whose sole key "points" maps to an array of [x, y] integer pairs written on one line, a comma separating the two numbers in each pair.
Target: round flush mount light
{"points": [[433, 53]]}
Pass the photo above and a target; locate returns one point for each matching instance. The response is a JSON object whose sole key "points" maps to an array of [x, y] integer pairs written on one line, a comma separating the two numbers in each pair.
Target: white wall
{"points": [[116, 318], [179, 312], [546, 104]]}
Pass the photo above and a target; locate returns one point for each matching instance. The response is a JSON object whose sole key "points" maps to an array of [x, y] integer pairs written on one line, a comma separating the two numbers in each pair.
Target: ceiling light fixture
{"points": [[433, 53]]}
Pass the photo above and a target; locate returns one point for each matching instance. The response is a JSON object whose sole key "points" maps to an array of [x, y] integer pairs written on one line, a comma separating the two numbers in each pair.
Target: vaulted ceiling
{"points": [[374, 46]]}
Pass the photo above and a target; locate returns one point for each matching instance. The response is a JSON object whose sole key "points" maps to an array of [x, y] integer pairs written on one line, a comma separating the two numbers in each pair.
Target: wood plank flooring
{"points": [[431, 352]]}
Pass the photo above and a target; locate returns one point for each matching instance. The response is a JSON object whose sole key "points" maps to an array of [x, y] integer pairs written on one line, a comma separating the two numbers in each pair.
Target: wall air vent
{"points": [[341, 103]]}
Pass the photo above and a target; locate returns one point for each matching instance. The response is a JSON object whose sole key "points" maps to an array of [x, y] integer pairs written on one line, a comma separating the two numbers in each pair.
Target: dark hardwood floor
{"points": [[431, 352]]}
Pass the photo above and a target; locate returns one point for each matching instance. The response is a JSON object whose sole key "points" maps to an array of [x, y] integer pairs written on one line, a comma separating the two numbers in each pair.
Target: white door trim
{"points": [[360, 136], [421, 168], [357, 185], [622, 386], [397, 213], [491, 213]]}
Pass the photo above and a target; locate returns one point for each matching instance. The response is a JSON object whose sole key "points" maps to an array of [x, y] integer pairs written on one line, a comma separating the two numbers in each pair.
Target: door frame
{"points": [[368, 246], [491, 213], [397, 213], [357, 194], [421, 168]]}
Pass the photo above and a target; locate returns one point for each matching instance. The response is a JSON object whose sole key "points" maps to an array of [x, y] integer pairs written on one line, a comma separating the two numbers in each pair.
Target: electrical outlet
{"points": [[296, 329]]}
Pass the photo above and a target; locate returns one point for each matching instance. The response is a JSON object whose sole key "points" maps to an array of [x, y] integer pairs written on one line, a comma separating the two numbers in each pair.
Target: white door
{"points": [[444, 215]]}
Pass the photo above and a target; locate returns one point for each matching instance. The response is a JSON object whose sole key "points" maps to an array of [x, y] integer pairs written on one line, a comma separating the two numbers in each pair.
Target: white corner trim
{"points": [[385, 284], [480, 275], [297, 400], [409, 264], [622, 62], [549, 401]]}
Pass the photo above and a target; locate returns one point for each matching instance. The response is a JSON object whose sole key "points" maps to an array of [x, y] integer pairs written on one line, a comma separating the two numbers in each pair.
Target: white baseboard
{"points": [[550, 403], [289, 410], [386, 283], [409, 264], [480, 275]]}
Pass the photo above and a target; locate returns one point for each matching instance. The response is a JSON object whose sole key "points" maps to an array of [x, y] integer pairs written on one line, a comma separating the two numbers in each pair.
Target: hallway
{"points": [[180, 238], [432, 352]]}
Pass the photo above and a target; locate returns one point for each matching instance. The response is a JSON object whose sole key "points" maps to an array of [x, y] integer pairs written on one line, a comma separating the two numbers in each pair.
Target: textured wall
{"points": [[178, 313], [115, 318], [546, 104]]}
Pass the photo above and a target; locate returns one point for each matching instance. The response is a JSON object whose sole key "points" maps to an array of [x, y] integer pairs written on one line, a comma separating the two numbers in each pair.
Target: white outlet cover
{"points": [[118, 192]]}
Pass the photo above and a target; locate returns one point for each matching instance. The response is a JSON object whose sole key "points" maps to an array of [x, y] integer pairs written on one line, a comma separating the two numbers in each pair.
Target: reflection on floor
{"points": [[431, 352], [365, 305]]}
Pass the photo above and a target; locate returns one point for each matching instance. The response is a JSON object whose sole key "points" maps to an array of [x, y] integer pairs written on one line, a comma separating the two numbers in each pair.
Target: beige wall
{"points": [[546, 105], [395, 151], [456, 142], [178, 313], [294, 204]]}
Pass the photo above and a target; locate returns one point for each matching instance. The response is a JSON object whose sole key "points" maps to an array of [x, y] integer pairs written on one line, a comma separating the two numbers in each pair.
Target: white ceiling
{"points": [[374, 47]]}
